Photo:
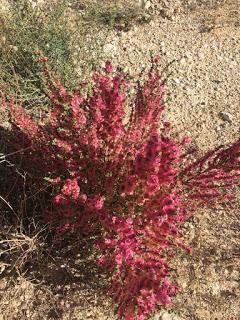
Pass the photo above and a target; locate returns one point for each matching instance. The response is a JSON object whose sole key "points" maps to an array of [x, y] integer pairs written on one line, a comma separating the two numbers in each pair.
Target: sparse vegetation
{"points": [[64, 33], [73, 184], [53, 30]]}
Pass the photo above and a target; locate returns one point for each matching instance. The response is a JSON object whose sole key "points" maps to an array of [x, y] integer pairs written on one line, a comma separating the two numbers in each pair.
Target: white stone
{"points": [[226, 116], [166, 316], [110, 49], [215, 288], [182, 61], [147, 5]]}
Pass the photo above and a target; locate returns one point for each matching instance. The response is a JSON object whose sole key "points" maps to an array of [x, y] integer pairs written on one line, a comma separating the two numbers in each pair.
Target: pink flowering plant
{"points": [[119, 172]]}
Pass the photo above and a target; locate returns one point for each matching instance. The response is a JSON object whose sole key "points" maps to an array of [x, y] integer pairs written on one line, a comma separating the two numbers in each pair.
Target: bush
{"points": [[121, 176]]}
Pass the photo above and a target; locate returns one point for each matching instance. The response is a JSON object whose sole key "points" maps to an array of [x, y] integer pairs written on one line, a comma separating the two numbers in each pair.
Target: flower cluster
{"points": [[127, 179]]}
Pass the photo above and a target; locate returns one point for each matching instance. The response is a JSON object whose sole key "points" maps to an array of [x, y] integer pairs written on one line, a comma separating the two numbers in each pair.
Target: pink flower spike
{"points": [[59, 199], [43, 59], [186, 140], [71, 189], [157, 58], [118, 259], [108, 67], [98, 202], [82, 198]]}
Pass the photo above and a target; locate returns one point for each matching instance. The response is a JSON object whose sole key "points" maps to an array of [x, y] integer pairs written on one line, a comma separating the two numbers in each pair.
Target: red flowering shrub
{"points": [[127, 179]]}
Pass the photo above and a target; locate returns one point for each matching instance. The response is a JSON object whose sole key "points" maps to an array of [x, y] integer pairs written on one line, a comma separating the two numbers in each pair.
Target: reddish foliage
{"points": [[131, 181]]}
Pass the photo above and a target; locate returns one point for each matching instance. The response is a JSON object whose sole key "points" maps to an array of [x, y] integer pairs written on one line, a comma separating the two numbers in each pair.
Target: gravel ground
{"points": [[201, 42], [204, 51]]}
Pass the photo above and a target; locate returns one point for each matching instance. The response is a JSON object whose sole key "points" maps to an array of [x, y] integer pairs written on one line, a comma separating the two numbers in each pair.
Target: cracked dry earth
{"points": [[201, 42]]}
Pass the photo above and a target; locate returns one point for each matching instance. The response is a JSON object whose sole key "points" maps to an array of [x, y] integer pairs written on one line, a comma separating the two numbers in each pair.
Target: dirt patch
{"points": [[200, 43]]}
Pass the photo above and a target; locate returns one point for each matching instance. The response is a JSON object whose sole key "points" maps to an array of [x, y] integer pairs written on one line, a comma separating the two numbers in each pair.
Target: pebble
{"points": [[110, 49], [215, 288], [184, 285], [147, 5], [235, 284], [168, 316], [182, 61], [188, 54], [226, 116]]}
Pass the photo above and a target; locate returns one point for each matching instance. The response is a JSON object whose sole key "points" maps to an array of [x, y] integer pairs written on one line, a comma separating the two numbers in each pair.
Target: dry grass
{"points": [[17, 249]]}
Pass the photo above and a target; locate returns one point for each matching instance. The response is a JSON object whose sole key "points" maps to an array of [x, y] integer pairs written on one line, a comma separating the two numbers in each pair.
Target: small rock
{"points": [[191, 234], [147, 5], [235, 284], [226, 116], [184, 285], [171, 18], [189, 55], [110, 49], [152, 23], [62, 302], [215, 288], [168, 316], [89, 314], [182, 61]]}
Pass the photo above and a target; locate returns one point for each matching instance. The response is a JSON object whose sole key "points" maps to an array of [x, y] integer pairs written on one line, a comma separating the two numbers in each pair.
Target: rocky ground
{"points": [[199, 41]]}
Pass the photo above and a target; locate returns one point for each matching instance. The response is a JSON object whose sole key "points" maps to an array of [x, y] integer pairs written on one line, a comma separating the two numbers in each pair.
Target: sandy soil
{"points": [[201, 42]]}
